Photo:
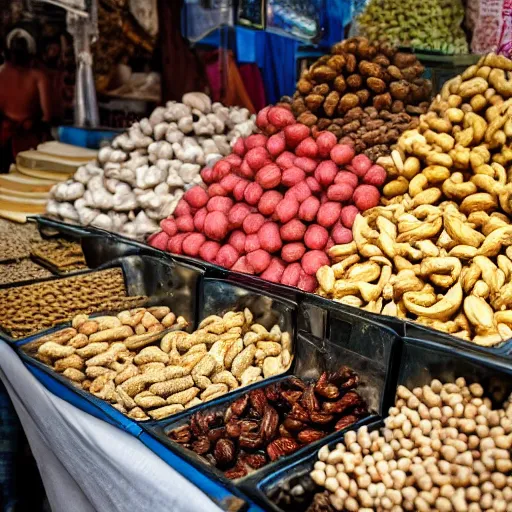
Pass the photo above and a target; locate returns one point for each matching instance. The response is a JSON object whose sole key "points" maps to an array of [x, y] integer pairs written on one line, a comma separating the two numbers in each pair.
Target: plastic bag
{"points": [[433, 25]]}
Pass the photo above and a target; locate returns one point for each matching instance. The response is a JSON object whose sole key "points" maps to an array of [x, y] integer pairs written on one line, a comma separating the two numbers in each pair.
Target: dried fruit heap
{"points": [[440, 251], [268, 423], [284, 195], [366, 94]]}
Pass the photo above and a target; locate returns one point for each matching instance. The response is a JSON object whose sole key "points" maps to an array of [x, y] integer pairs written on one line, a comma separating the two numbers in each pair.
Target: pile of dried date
{"points": [[267, 423]]}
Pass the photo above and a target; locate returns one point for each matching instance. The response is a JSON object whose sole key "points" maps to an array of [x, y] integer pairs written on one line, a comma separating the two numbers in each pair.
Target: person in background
{"points": [[25, 102]]}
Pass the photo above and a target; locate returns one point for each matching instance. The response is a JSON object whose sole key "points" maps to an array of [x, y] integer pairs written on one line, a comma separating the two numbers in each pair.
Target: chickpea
{"points": [[330, 471], [320, 465], [473, 494], [476, 390], [499, 480]]}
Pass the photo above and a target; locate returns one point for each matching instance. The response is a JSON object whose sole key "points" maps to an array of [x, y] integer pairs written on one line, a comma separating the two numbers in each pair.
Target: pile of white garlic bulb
{"points": [[138, 180]]}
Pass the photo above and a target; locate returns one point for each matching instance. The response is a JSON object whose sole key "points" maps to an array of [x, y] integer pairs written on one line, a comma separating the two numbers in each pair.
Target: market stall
{"points": [[304, 309]]}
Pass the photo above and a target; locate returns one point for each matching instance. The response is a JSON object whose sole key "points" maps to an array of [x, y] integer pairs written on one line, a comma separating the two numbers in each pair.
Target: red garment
{"points": [[251, 77]]}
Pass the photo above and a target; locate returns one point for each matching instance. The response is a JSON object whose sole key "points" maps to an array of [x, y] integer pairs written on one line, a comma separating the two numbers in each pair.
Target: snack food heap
{"points": [[275, 204], [145, 373], [268, 423], [439, 251], [139, 179], [434, 25], [444, 447], [365, 93]]}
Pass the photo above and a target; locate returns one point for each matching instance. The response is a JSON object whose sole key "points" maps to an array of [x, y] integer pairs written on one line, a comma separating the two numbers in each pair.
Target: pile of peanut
{"points": [[130, 361], [438, 251], [443, 448]]}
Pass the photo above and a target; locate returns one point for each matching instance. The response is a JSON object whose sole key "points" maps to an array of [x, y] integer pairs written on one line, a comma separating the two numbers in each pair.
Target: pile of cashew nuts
{"points": [[439, 250]]}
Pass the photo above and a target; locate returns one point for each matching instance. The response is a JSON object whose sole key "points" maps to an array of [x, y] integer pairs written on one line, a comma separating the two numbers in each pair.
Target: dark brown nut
{"points": [[181, 435], [350, 399], [280, 447], [351, 64], [350, 45], [365, 50], [382, 101], [291, 396], [283, 432], [320, 418], [238, 471], [201, 445], [363, 95], [254, 460], [412, 72], [340, 84], [299, 413], [338, 48], [323, 124], [331, 102], [314, 101], [322, 89], [397, 106], [233, 429], [309, 401], [293, 425], [370, 69], [216, 433], [304, 86], [347, 102], [417, 93], [381, 60], [310, 435], [224, 452], [354, 81], [334, 128], [258, 401], [299, 106], [323, 74], [346, 421], [307, 118], [324, 388], [269, 423], [251, 440], [395, 72], [403, 60], [344, 377], [376, 84], [336, 62], [388, 50]]}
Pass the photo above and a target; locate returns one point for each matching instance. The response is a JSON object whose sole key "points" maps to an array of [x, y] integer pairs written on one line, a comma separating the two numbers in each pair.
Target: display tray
{"points": [[186, 293], [164, 282], [420, 362], [313, 356]]}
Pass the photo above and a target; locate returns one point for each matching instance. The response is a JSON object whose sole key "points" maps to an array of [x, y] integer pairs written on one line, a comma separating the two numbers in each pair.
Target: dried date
{"points": [[254, 460], [324, 388], [293, 425], [280, 447], [269, 423], [310, 435], [345, 422], [233, 429], [299, 413], [216, 433], [309, 400], [181, 435], [238, 406], [238, 471], [251, 440], [348, 400], [258, 401], [292, 396], [224, 452], [201, 446], [321, 418]]}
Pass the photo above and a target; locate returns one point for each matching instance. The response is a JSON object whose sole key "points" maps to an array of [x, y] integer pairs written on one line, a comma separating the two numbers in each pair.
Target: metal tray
{"points": [[312, 357], [164, 282], [421, 362]]}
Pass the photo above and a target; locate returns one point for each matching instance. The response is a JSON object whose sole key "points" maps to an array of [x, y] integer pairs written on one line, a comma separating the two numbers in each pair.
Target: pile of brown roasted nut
{"points": [[439, 251], [366, 94], [267, 423], [444, 447], [130, 361]]}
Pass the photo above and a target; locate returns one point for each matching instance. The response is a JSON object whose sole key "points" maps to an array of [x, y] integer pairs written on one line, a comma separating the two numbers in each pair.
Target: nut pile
{"points": [[25, 310], [443, 448], [22, 270], [366, 94], [276, 204], [139, 179], [62, 254], [271, 422], [439, 252], [122, 359], [434, 25], [16, 239]]}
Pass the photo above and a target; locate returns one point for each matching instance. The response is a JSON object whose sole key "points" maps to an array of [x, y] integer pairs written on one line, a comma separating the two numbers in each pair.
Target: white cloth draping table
{"points": [[87, 464]]}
